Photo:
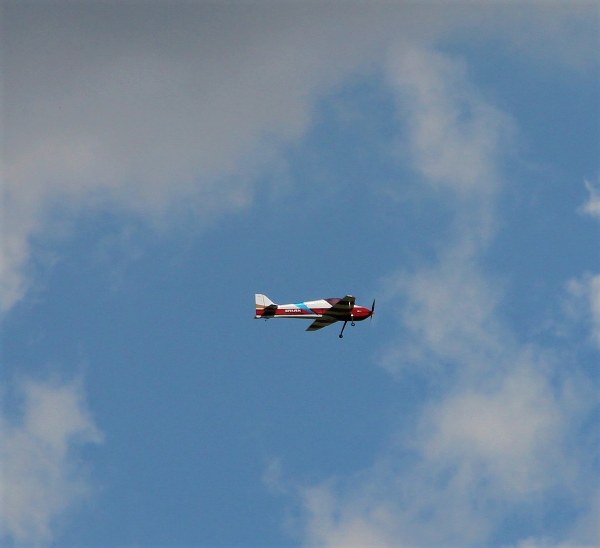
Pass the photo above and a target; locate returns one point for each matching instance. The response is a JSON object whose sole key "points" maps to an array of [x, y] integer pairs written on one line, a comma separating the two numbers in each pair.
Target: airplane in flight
{"points": [[324, 312]]}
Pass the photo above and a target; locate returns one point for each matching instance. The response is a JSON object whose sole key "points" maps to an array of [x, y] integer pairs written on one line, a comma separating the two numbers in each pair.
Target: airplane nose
{"points": [[364, 312]]}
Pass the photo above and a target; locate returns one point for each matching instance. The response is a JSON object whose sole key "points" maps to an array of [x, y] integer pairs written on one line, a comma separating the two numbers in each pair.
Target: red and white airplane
{"points": [[324, 312]]}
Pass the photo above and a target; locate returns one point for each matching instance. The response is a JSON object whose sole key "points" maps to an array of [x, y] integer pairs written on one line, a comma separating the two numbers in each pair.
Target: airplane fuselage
{"points": [[323, 312], [313, 309]]}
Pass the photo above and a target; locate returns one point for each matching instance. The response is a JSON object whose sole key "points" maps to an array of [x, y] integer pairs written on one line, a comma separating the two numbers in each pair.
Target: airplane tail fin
{"points": [[264, 306]]}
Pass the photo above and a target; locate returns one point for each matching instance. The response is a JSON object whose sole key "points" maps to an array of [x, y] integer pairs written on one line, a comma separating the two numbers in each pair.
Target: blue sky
{"points": [[165, 161]]}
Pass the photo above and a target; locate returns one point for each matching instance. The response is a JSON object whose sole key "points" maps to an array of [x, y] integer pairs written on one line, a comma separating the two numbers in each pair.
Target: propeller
{"points": [[372, 310]]}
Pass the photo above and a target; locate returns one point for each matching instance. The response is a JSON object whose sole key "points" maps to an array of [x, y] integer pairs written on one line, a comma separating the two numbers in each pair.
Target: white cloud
{"points": [[583, 292], [507, 433], [456, 140], [186, 105], [584, 302], [592, 206], [328, 526], [142, 107], [454, 134], [43, 475], [483, 452], [496, 436], [449, 311]]}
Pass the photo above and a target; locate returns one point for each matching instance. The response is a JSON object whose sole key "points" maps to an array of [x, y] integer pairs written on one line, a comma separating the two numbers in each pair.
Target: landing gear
{"points": [[341, 335]]}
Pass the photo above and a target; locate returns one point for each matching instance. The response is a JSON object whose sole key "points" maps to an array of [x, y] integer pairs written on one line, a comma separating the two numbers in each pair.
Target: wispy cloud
{"points": [[505, 432], [182, 111], [456, 141], [144, 107], [43, 474], [584, 291], [454, 135], [592, 205], [449, 311], [478, 459], [473, 459], [583, 303], [497, 437], [187, 108]]}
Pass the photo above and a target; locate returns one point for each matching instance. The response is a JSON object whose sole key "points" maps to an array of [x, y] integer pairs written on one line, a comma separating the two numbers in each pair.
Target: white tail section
{"points": [[262, 301]]}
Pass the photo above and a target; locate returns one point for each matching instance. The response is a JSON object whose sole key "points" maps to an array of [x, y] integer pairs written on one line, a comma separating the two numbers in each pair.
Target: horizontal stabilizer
{"points": [[267, 311]]}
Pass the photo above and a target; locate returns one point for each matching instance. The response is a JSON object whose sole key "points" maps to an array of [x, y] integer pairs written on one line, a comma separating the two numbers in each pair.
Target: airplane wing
{"points": [[337, 312]]}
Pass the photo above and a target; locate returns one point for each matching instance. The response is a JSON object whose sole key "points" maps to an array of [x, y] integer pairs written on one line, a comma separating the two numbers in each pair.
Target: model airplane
{"points": [[324, 312]]}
